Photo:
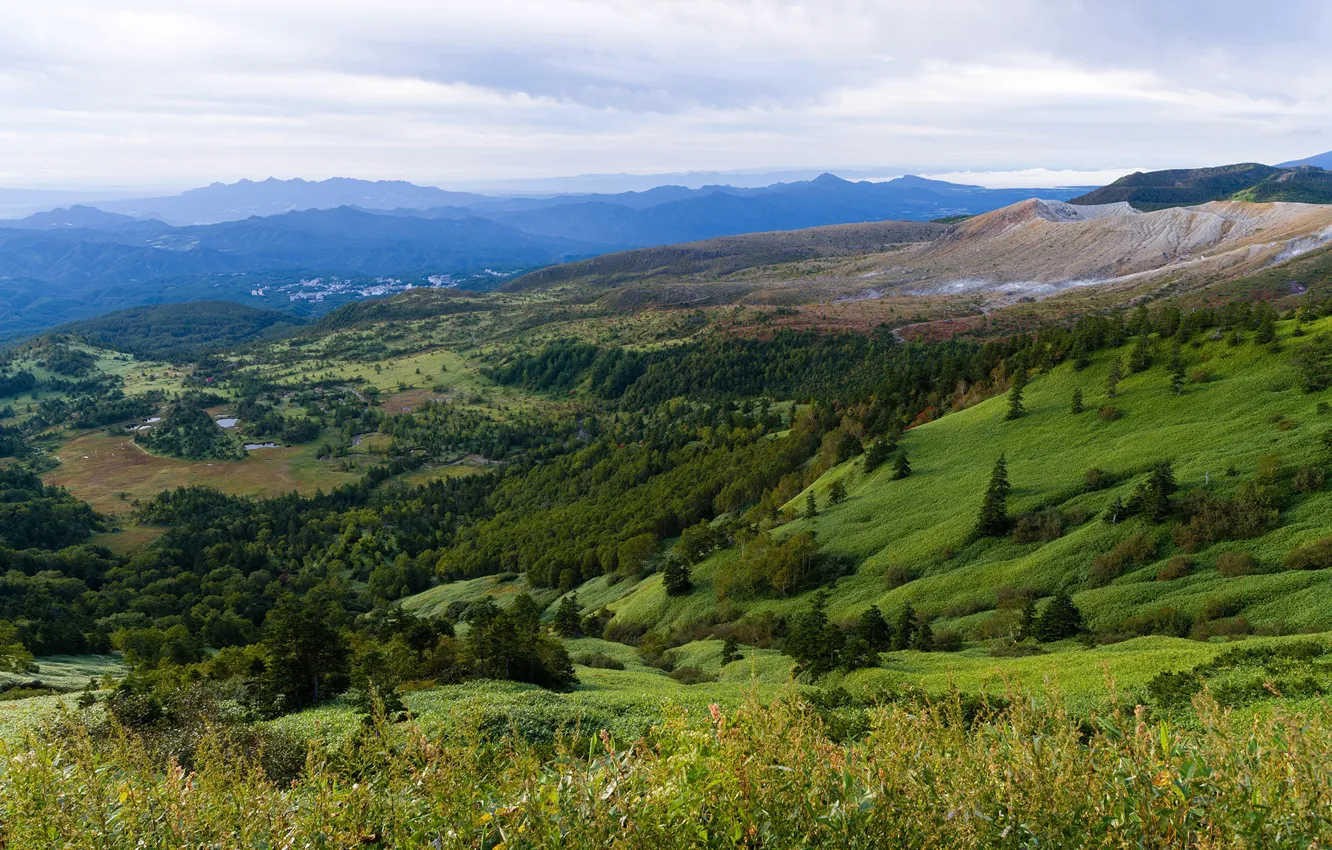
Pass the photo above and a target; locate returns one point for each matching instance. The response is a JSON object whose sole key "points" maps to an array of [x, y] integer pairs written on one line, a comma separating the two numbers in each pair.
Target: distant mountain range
{"points": [[1322, 160], [309, 246], [306, 247], [1249, 181]]}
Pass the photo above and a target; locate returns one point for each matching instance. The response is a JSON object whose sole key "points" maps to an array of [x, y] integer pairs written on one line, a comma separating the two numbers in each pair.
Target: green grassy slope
{"points": [[1214, 434]]}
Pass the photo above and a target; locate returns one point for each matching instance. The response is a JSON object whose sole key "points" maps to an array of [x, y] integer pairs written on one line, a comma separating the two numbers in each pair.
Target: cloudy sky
{"points": [[171, 93]]}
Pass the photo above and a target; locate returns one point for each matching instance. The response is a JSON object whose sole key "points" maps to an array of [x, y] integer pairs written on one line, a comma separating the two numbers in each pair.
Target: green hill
{"points": [[1250, 181]]}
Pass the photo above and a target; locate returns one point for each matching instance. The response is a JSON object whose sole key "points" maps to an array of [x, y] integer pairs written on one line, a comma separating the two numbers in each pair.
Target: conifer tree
{"points": [[877, 454], [1112, 382], [902, 467], [993, 519], [730, 649], [1027, 623], [1060, 619], [1117, 511], [811, 506], [905, 629], [874, 629], [1140, 358], [836, 492], [1015, 409], [1076, 407], [923, 639], [676, 577], [568, 623], [1266, 332]]}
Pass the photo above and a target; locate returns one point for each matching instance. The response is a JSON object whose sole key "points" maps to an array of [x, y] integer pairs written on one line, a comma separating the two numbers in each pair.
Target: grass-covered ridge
{"points": [[1241, 413]]}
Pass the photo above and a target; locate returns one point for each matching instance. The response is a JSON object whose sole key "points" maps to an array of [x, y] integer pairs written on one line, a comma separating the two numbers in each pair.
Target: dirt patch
{"points": [[98, 468]]}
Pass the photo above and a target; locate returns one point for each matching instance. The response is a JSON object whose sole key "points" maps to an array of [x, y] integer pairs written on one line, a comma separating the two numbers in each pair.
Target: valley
{"points": [[802, 478]]}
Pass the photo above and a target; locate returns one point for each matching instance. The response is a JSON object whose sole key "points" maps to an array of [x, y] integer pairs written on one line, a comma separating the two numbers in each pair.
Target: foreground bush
{"points": [[765, 776]]}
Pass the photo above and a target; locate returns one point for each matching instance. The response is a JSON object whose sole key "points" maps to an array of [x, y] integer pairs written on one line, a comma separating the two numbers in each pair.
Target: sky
{"points": [[176, 93]]}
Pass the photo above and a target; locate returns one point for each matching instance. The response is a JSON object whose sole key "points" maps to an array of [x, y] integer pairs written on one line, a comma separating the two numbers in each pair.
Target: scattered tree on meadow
{"points": [[1060, 619], [874, 629], [811, 505], [676, 577], [923, 639], [905, 629], [836, 492], [1015, 409], [901, 467], [730, 650], [877, 454], [1113, 379], [568, 622], [993, 519], [1140, 357], [1076, 407]]}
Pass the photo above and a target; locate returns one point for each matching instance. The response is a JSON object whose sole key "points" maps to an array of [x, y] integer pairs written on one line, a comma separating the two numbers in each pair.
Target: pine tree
{"points": [[993, 519], [730, 649], [1140, 358], [1060, 619], [877, 454], [811, 506], [902, 468], [676, 577], [874, 629], [1266, 332], [1027, 624], [1117, 511], [906, 627], [1077, 407], [837, 492], [568, 623], [923, 639], [1015, 408], [1112, 382], [1177, 381]]}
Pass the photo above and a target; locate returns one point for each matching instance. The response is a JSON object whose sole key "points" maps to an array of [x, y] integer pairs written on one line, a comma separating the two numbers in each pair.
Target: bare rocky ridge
{"points": [[1045, 246], [1032, 249]]}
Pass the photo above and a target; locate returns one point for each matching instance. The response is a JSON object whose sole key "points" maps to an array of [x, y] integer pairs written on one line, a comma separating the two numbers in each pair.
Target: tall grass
{"points": [[765, 775]]}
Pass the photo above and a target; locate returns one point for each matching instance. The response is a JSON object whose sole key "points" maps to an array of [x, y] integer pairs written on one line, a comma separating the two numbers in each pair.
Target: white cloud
{"points": [[185, 91]]}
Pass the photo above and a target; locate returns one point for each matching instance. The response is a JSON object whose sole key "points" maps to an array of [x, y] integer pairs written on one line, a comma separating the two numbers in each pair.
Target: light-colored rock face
{"points": [[1044, 246]]}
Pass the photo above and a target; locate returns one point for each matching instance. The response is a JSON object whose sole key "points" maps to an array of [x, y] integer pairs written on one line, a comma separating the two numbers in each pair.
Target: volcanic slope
{"points": [[1035, 248], [1044, 246]]}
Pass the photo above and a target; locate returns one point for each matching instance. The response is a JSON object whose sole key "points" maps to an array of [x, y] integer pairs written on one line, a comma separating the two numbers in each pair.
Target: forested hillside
{"points": [[526, 521]]}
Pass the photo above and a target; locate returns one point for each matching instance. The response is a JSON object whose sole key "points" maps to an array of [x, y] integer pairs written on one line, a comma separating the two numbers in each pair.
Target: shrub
{"points": [[1222, 627], [1178, 567], [691, 676], [600, 660], [895, 577], [966, 608], [1096, 479], [1200, 376], [1158, 621], [1136, 550], [1307, 479], [1249, 513], [1015, 598], [1016, 649], [1234, 564], [1109, 413], [1038, 527], [1315, 556], [947, 640]]}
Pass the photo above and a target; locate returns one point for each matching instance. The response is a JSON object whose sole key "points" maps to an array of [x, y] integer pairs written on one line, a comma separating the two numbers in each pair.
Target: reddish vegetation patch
{"points": [[98, 468], [409, 400]]}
